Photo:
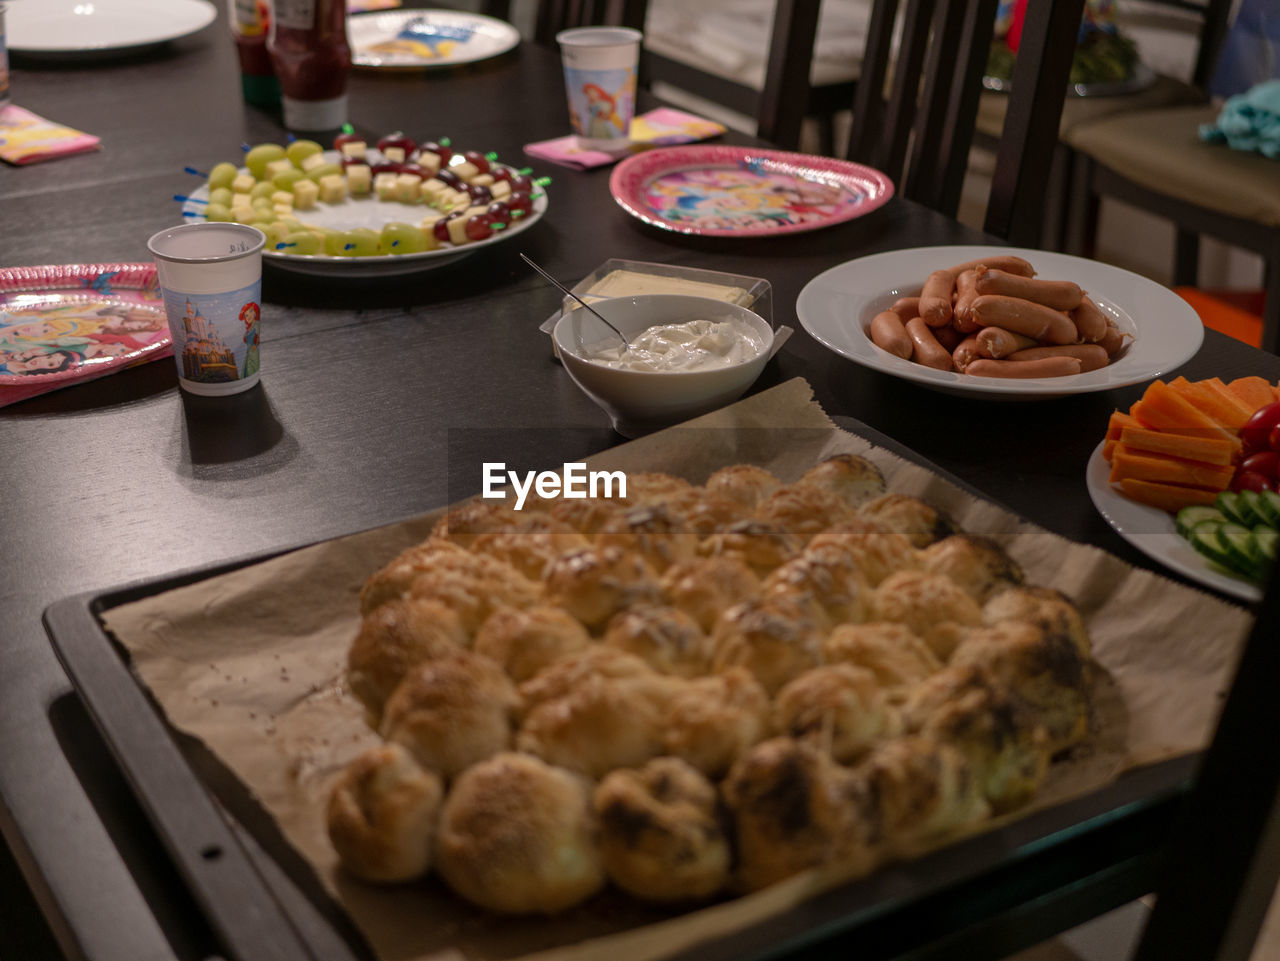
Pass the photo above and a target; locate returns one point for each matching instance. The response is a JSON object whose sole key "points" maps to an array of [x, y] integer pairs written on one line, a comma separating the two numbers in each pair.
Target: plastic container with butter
{"points": [[629, 278]]}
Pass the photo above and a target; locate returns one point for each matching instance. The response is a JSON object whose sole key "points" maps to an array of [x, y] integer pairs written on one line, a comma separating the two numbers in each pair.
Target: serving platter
{"points": [[69, 323], [426, 39], [368, 211], [68, 29], [836, 308], [1152, 531], [714, 190]]}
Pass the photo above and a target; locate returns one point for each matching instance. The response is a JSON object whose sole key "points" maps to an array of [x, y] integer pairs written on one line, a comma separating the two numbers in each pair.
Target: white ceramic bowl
{"points": [[640, 401]]}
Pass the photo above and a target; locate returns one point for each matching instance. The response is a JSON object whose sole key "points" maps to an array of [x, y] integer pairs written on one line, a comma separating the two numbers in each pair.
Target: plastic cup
{"points": [[600, 79], [211, 276]]}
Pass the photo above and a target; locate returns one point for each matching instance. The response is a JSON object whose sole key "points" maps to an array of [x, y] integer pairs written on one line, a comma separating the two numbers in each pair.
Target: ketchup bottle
{"points": [[249, 23], [308, 45]]}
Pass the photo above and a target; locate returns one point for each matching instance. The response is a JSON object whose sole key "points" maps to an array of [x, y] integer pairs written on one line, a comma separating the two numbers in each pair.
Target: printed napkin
{"points": [[26, 138], [657, 128]]}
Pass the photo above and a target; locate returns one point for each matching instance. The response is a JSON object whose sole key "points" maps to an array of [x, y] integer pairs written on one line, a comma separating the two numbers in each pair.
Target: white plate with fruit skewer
{"points": [[1153, 532], [341, 212]]}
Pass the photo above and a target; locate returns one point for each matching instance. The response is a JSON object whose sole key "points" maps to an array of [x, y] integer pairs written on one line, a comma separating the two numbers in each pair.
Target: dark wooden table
{"points": [[363, 385]]}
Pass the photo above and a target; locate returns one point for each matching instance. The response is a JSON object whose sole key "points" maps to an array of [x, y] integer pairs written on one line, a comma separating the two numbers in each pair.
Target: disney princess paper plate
{"points": [[61, 325], [720, 191]]}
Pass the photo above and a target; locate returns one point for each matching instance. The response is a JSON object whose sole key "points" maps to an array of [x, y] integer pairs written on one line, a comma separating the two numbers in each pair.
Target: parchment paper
{"points": [[251, 664]]}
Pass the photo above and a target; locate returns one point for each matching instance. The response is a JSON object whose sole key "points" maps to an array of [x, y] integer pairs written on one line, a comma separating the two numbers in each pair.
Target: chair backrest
{"points": [[778, 108], [921, 135]]}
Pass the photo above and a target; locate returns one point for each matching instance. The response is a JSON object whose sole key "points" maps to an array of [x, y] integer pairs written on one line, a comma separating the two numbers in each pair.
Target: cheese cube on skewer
{"points": [[305, 194], [384, 185], [359, 179], [242, 183], [333, 188]]}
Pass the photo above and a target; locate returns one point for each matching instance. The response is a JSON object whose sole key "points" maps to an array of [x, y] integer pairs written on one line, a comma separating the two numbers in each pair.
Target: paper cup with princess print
{"points": [[211, 275], [600, 79]]}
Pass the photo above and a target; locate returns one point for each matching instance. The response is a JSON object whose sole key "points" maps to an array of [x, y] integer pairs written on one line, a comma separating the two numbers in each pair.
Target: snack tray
{"points": [[982, 897]]}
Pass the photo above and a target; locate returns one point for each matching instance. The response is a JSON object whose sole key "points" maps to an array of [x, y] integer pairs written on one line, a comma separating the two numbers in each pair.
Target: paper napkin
{"points": [[657, 128], [26, 138]]}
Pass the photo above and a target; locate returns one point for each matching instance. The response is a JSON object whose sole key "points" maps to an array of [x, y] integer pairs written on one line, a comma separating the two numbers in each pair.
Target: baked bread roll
{"points": [[853, 479], [653, 487], [706, 587], [382, 815], [744, 484], [1043, 606], [933, 607], [803, 510], [595, 583], [519, 836], [531, 544], [599, 724], [394, 637], [464, 523], [793, 808], [839, 707], [703, 512], [833, 586], [393, 580], [474, 586], [996, 730], [921, 790], [891, 652], [977, 564], [762, 547], [667, 639], [587, 515], [1044, 668], [654, 532], [913, 518], [525, 641], [452, 712], [775, 638], [661, 837], [711, 721], [864, 544]]}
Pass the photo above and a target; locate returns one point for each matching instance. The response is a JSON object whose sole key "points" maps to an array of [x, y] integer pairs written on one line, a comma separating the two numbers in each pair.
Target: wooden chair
{"points": [[794, 28], [920, 136], [1155, 160]]}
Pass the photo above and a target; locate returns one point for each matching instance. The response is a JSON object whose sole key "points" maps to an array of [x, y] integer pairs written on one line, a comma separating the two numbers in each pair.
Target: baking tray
{"points": [[985, 896]]}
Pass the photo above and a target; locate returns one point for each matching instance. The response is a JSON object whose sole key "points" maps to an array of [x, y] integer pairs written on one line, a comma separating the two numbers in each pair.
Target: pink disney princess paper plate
{"points": [[65, 324], [720, 191]]}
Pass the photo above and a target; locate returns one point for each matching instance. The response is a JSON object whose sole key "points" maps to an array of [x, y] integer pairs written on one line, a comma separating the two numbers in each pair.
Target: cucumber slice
{"points": [[1250, 504], [1229, 503], [1267, 539], [1242, 550], [1269, 504], [1189, 517], [1206, 538]]}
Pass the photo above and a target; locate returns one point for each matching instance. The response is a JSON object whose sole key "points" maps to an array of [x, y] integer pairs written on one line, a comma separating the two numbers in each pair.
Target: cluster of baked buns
{"points": [[696, 690]]}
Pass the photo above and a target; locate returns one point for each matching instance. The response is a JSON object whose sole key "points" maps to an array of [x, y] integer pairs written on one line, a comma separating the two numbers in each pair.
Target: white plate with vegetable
{"points": [[362, 219], [1155, 533], [1161, 329]]}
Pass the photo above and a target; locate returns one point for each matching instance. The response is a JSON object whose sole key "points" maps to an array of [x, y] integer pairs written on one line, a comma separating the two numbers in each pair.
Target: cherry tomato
{"points": [[1265, 462], [1257, 429], [1247, 480]]}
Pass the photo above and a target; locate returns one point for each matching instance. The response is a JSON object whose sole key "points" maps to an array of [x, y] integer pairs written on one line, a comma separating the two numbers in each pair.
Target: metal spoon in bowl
{"points": [[570, 293]]}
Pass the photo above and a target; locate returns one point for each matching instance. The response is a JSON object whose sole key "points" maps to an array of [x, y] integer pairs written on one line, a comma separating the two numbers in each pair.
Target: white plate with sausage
{"points": [[1152, 531], [1160, 329]]}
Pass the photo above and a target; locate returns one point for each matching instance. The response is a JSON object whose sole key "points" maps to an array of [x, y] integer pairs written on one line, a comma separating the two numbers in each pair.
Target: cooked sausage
{"points": [[1058, 294], [961, 311], [887, 333], [966, 352], [1091, 356], [948, 337], [1090, 321], [906, 308], [1112, 341], [1044, 367], [1006, 262], [935, 299], [1024, 317], [996, 342], [927, 349]]}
